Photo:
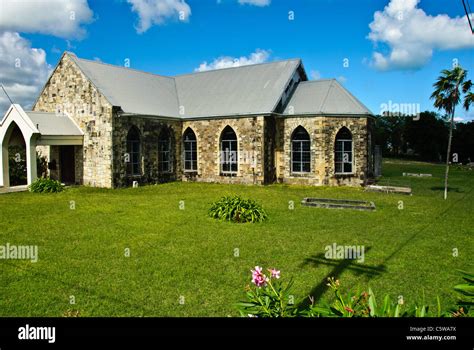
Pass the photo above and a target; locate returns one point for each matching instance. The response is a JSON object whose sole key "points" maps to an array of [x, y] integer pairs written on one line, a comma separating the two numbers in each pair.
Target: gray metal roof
{"points": [[50, 124], [252, 89], [134, 91], [325, 96], [245, 90]]}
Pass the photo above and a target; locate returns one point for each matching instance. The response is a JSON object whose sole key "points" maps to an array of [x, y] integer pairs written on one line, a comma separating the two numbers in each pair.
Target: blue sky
{"points": [[427, 37]]}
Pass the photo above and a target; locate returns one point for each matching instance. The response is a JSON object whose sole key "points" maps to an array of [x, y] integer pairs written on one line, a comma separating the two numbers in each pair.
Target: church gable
{"points": [[68, 91]]}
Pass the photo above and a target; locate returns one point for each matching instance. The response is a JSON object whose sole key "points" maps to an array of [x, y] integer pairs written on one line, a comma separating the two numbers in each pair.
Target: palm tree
{"points": [[447, 95]]}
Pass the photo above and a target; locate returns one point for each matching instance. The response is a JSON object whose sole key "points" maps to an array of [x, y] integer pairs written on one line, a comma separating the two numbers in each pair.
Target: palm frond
{"points": [[468, 100]]}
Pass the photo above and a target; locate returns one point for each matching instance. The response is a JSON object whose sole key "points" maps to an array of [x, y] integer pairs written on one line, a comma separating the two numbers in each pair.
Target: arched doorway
{"points": [[16, 157], [14, 153]]}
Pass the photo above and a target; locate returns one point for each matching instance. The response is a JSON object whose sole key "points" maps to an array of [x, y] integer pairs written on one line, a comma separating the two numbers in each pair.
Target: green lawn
{"points": [[182, 253]]}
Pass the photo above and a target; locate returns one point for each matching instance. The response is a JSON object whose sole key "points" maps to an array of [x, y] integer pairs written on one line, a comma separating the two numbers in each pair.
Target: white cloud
{"points": [[458, 119], [151, 12], [23, 70], [342, 79], [314, 74], [55, 17], [259, 56], [411, 35], [260, 3]]}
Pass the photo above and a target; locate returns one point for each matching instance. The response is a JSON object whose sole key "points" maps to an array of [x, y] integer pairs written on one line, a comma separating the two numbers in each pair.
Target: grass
{"points": [[183, 263]]}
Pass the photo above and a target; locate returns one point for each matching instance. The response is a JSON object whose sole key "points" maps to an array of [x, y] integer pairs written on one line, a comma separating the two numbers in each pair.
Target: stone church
{"points": [[109, 126]]}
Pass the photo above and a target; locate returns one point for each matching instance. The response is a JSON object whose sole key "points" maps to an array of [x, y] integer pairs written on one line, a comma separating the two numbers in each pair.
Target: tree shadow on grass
{"points": [[339, 266], [450, 189]]}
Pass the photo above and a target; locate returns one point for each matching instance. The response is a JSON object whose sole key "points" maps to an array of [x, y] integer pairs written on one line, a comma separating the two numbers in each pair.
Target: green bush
{"points": [[46, 185], [236, 209], [267, 296], [465, 292]]}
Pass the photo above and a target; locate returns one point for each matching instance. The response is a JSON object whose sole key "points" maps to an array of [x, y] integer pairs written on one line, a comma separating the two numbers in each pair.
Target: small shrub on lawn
{"points": [[46, 185], [236, 209]]}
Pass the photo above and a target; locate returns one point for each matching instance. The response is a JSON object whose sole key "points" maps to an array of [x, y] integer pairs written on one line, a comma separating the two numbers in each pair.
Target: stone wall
{"points": [[250, 137], [150, 129], [264, 142], [322, 132], [69, 91], [270, 144]]}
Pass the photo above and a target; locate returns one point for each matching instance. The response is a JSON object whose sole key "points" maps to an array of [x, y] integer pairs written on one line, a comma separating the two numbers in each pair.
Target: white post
{"points": [[31, 160], [4, 171]]}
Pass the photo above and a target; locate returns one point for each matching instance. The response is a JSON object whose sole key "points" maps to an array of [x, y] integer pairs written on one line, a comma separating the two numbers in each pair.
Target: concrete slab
{"points": [[4, 190], [389, 189]]}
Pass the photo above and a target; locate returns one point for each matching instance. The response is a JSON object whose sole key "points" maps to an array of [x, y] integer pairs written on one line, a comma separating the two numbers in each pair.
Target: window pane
{"points": [[348, 167], [306, 156], [349, 157], [296, 167], [296, 156], [136, 169], [306, 167], [338, 167], [305, 146], [347, 146]]}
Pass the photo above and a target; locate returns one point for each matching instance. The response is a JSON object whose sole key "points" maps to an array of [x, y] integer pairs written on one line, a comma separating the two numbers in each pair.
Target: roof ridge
{"points": [[323, 102], [316, 81], [120, 67], [178, 75], [243, 66], [352, 97], [31, 111]]}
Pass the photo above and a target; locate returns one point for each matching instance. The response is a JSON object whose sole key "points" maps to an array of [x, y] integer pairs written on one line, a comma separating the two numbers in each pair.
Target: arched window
{"points": [[229, 152], [133, 151], [164, 151], [190, 150], [343, 152], [300, 151]]}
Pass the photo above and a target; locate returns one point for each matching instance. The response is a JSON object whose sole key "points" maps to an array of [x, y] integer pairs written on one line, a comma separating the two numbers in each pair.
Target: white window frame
{"points": [[301, 152], [344, 152], [160, 154], [224, 154], [193, 150]]}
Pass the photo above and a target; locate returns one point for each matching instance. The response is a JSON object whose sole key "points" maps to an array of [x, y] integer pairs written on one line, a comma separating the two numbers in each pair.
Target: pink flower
{"points": [[258, 278], [275, 273]]}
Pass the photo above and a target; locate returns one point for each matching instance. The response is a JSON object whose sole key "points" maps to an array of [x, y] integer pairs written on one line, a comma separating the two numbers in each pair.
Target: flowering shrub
{"points": [[267, 297]]}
